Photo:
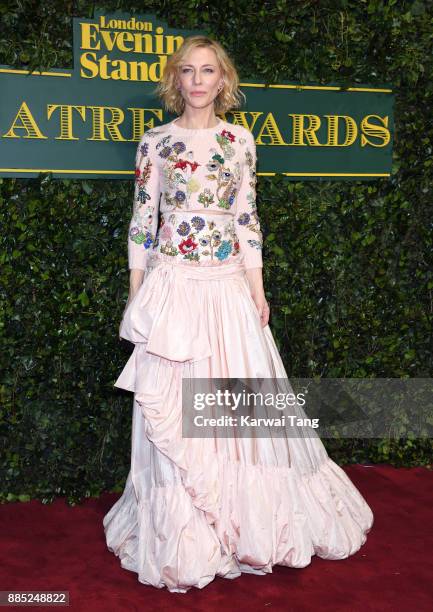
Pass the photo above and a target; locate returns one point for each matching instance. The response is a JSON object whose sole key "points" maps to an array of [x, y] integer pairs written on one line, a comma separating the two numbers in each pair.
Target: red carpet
{"points": [[58, 547]]}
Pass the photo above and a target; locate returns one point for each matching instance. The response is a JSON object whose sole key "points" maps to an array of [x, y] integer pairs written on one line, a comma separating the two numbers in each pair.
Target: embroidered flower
{"points": [[224, 250], [142, 195], [193, 185], [184, 228], [144, 148], [165, 152], [212, 166], [183, 163], [224, 139], [206, 197], [228, 135], [149, 241], [243, 219], [223, 175], [180, 196], [169, 249], [188, 245], [179, 147], [198, 223], [139, 237], [137, 173]]}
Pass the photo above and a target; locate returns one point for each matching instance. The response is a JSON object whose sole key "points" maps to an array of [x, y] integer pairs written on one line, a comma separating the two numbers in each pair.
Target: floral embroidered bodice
{"points": [[189, 176]]}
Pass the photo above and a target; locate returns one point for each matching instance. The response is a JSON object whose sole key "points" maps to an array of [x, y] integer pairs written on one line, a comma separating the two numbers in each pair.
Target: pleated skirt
{"points": [[196, 508]]}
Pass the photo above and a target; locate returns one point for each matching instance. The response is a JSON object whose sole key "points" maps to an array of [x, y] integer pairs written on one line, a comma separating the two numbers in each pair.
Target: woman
{"points": [[210, 505]]}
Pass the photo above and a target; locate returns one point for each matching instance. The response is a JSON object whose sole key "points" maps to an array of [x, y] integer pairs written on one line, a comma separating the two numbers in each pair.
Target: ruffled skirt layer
{"points": [[196, 508]]}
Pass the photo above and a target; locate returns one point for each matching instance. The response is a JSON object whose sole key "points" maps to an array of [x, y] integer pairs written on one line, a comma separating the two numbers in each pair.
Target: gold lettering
{"points": [[108, 39], [28, 124], [159, 41], [156, 69], [66, 119], [351, 131], [103, 65], [142, 40], [377, 131], [240, 118], [173, 43], [272, 132], [143, 43], [138, 71], [122, 38], [120, 70], [299, 130], [88, 35], [100, 123], [121, 73], [121, 24], [88, 61]]}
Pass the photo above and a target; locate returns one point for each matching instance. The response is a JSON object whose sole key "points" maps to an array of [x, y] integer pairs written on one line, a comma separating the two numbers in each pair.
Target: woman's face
{"points": [[199, 77]]}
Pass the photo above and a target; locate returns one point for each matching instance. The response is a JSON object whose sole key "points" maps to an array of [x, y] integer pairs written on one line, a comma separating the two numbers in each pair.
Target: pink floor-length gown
{"points": [[200, 507]]}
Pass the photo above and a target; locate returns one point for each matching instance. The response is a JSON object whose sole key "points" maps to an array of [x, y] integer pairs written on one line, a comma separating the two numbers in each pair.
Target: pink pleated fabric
{"points": [[196, 508]]}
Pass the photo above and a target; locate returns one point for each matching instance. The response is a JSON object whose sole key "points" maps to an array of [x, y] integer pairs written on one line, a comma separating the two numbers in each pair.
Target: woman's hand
{"points": [[255, 281], [262, 307]]}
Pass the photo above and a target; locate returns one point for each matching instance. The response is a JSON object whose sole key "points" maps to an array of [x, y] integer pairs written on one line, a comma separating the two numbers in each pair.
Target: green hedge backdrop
{"points": [[348, 265]]}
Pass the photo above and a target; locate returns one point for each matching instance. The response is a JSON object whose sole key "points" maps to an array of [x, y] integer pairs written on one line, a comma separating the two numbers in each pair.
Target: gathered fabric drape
{"points": [[196, 508]]}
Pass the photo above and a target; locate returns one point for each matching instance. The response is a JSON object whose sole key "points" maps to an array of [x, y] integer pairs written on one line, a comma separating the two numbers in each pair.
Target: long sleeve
{"points": [[144, 221], [247, 220]]}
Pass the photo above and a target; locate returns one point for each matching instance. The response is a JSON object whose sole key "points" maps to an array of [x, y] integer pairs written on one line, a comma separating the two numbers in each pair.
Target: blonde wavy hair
{"points": [[230, 95]]}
